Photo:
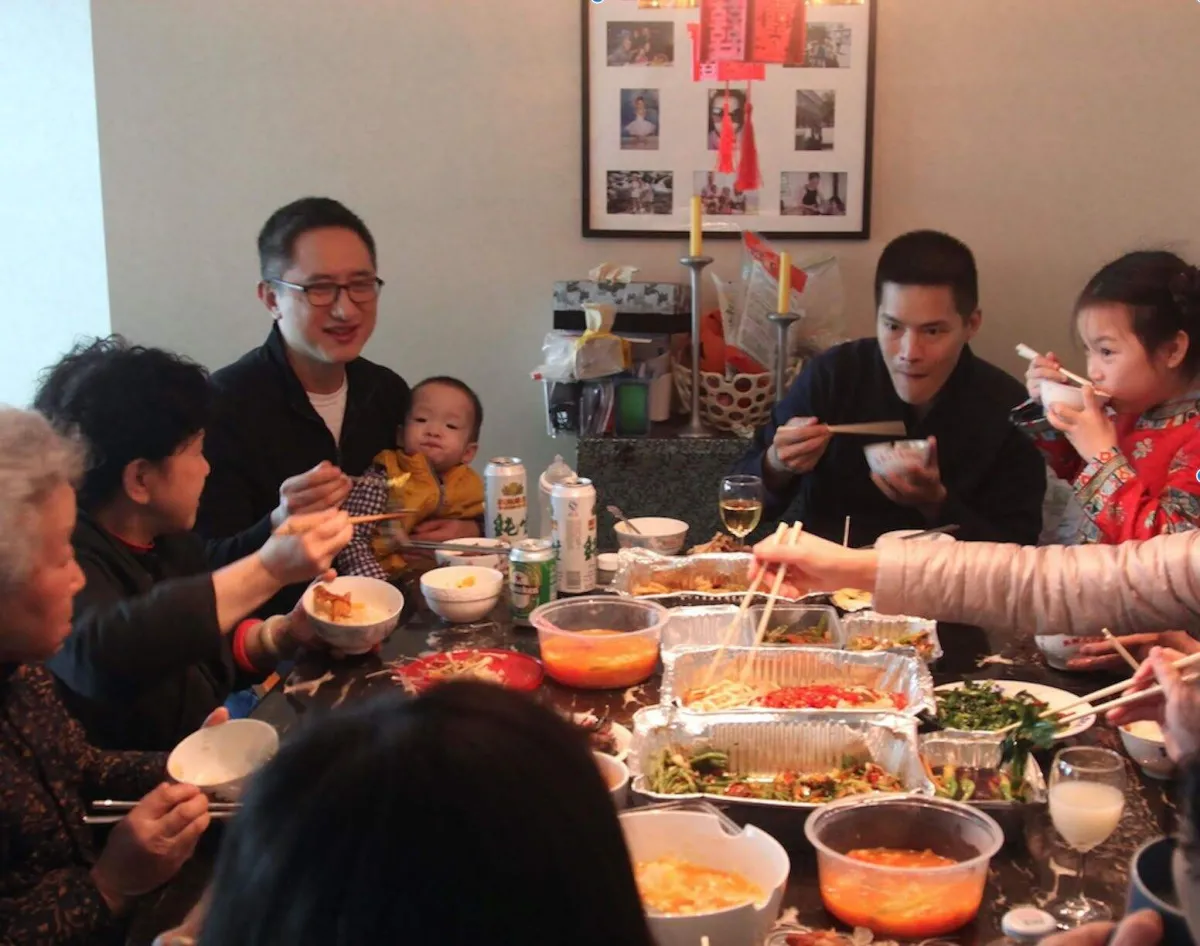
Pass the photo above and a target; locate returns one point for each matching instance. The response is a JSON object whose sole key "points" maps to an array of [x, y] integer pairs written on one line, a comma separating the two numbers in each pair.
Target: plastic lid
{"points": [[557, 471], [1027, 923], [607, 561]]}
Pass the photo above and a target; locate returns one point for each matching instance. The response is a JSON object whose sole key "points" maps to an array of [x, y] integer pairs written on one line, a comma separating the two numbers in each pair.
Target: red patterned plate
{"points": [[507, 668]]}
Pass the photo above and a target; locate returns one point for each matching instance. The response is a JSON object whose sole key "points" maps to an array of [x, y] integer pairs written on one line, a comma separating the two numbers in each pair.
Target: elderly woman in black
{"points": [[56, 887]]}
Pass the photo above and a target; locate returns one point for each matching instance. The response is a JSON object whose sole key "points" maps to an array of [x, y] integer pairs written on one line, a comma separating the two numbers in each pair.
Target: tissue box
{"points": [[648, 298]]}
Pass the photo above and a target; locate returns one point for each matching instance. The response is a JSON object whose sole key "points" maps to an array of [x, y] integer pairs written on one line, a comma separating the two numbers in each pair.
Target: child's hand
{"points": [[1091, 431], [1042, 367]]}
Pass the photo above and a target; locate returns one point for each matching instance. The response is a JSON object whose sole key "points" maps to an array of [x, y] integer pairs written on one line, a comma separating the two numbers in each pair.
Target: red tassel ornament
{"points": [[749, 178], [727, 142]]}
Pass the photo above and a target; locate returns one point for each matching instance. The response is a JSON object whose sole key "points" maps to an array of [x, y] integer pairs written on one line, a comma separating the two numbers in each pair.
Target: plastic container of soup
{"points": [[889, 893], [599, 643]]}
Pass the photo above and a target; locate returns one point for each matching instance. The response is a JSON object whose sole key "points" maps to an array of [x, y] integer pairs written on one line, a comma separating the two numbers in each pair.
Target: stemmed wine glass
{"points": [[741, 500], [1087, 796]]}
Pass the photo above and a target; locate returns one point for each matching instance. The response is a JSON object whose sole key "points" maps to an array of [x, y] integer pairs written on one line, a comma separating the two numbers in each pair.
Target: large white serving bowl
{"points": [[702, 838], [220, 759], [665, 536], [461, 594], [383, 601]]}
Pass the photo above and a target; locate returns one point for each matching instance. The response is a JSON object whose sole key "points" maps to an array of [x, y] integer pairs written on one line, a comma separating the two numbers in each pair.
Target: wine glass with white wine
{"points": [[1087, 796], [741, 502]]}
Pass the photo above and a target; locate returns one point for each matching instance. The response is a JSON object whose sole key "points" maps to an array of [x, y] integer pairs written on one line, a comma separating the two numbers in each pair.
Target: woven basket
{"points": [[743, 401]]}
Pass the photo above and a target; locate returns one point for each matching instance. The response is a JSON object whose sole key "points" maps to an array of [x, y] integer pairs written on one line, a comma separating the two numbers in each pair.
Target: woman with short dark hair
{"points": [[160, 639]]}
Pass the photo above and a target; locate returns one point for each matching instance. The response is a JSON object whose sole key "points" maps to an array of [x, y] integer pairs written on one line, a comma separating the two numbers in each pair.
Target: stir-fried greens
{"points": [[800, 633], [983, 706], [677, 771], [1032, 733]]}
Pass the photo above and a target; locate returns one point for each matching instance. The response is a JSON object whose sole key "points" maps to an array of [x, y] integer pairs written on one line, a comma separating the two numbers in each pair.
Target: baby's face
{"points": [[439, 426]]}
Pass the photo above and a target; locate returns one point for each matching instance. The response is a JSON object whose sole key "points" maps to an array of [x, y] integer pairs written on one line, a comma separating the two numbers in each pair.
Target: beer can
{"points": [[573, 504], [507, 504], [532, 577]]}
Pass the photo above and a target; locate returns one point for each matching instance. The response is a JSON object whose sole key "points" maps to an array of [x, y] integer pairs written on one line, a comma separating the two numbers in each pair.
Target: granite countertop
{"points": [[1031, 867]]}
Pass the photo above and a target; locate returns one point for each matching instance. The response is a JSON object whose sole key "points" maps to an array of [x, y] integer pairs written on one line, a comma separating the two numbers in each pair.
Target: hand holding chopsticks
{"points": [[1084, 707], [793, 535]]}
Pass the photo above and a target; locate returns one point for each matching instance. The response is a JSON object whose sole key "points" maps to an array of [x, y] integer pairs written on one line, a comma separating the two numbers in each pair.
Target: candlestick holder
{"points": [[783, 323], [695, 265]]}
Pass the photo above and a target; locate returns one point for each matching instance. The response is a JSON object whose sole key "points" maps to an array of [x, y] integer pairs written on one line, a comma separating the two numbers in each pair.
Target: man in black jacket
{"points": [[305, 409], [158, 638], [982, 474]]}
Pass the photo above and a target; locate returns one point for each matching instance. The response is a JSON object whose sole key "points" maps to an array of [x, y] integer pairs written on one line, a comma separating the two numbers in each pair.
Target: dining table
{"points": [[1033, 867]]}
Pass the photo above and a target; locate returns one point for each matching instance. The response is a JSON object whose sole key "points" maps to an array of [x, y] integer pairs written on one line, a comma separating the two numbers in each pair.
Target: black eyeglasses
{"points": [[321, 294]]}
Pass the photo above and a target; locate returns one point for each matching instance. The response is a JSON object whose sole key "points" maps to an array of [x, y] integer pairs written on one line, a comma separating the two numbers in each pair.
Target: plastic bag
{"points": [[817, 296]]}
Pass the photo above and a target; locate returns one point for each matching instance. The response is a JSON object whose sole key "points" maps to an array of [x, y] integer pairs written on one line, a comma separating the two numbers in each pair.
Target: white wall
{"points": [[52, 267], [1049, 134]]}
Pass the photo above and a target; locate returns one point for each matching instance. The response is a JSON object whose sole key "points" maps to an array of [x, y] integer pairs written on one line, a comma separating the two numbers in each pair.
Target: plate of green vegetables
{"points": [[991, 705]]}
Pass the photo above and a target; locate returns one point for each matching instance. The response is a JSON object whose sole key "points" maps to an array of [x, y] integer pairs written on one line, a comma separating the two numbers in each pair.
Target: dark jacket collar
{"points": [[359, 384]]}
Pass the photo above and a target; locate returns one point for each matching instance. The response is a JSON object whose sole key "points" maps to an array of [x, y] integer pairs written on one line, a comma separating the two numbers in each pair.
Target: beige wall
{"points": [[1049, 134]]}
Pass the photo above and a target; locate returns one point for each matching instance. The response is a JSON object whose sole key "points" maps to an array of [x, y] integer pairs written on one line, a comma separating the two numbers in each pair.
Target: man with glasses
{"points": [[304, 412]]}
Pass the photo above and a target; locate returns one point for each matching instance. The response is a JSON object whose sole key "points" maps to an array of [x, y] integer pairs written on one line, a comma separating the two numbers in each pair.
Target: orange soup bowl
{"points": [[599, 643], [870, 853]]}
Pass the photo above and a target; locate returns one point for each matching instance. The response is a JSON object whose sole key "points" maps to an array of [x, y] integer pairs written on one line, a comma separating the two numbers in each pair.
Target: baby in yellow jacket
{"points": [[430, 477]]}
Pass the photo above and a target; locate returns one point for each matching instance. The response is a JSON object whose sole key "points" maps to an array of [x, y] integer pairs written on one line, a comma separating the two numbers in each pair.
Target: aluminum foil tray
{"points": [[892, 671], [958, 748], [890, 627], [764, 743], [707, 626], [715, 578]]}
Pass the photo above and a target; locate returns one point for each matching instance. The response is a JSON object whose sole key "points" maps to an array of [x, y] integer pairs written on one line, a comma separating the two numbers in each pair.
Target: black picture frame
{"points": [[678, 222]]}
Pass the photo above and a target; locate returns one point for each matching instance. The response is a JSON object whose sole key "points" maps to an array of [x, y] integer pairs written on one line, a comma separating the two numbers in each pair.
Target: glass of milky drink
{"points": [[1087, 796]]}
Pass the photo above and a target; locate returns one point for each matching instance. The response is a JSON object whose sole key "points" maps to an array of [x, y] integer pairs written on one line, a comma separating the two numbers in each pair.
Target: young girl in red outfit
{"points": [[1134, 463]]}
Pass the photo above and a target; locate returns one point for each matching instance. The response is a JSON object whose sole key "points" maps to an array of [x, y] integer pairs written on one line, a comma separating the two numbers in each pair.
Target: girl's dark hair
{"points": [[469, 815], [1162, 292], [127, 403]]}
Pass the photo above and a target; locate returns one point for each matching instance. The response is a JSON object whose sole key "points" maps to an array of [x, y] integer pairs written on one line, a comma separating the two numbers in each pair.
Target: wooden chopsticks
{"points": [[1120, 648], [383, 517], [793, 536], [884, 428], [1029, 354], [1067, 716], [735, 622], [1155, 690]]}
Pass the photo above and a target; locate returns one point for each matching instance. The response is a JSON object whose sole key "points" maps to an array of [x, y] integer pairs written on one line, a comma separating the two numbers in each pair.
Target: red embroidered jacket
{"points": [[1145, 486]]}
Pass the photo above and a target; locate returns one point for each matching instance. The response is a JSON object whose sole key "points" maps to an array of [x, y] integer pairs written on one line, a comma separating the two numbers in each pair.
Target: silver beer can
{"points": [[507, 503], [573, 508]]}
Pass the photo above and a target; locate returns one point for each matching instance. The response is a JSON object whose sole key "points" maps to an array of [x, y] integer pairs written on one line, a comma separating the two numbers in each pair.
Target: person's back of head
{"points": [[127, 403], [278, 236], [469, 815], [930, 258]]}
